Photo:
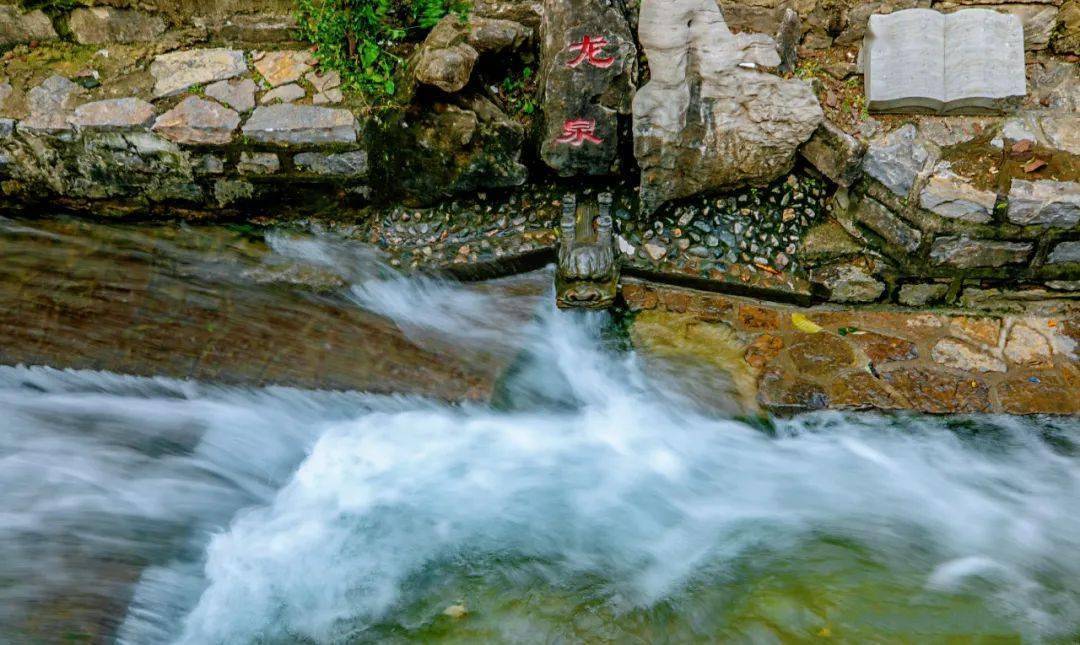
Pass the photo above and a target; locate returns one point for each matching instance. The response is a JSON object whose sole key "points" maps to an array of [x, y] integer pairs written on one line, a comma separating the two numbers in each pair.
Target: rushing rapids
{"points": [[592, 500]]}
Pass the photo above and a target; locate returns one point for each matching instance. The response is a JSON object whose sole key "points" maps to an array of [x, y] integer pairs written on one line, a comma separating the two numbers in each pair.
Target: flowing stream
{"points": [[592, 501]]}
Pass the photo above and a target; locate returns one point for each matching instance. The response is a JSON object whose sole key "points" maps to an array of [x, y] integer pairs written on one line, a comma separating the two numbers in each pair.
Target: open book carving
{"points": [[920, 60]]}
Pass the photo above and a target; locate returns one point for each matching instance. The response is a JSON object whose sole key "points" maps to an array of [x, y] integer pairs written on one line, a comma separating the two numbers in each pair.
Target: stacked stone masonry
{"points": [[792, 190], [200, 144]]}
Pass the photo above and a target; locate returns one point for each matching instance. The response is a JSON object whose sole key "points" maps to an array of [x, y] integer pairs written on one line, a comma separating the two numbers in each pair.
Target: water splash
{"points": [[280, 515]]}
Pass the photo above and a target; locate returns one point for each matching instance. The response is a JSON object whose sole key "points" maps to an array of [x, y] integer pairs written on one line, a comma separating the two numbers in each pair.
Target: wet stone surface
{"points": [[471, 232], [209, 303], [936, 362], [748, 238]]}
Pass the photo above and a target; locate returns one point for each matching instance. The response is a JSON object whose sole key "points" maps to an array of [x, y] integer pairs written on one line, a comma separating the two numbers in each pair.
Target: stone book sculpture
{"points": [[920, 60]]}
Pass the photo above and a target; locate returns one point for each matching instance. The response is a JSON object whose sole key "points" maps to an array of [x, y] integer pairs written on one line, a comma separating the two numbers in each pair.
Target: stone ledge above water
{"points": [[788, 359]]}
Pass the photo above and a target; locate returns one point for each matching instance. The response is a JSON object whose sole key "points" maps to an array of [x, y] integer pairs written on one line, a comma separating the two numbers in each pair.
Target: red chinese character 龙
{"points": [[577, 131], [588, 51]]}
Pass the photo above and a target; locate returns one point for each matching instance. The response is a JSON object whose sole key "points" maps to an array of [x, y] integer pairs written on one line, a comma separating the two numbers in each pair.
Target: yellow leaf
{"points": [[804, 324]]}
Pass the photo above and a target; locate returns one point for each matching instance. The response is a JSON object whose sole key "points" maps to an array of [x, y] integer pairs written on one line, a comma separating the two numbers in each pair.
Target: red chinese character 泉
{"points": [[577, 131], [589, 51]]}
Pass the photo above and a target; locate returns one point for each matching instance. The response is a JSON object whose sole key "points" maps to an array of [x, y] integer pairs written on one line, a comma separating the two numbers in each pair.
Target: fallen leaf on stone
{"points": [[804, 324], [1034, 165], [1022, 145]]}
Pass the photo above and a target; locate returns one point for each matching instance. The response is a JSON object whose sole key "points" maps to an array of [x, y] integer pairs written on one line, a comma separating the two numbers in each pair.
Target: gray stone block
{"points": [[949, 195], [198, 121], [1045, 202], [835, 153], [177, 71], [101, 25], [890, 227], [258, 163], [1065, 253], [917, 295], [967, 253], [17, 27], [920, 60], [113, 114], [296, 124], [896, 159], [345, 164]]}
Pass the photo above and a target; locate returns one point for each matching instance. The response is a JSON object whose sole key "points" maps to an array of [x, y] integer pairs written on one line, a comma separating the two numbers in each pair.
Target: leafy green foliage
{"points": [[518, 92], [364, 40]]}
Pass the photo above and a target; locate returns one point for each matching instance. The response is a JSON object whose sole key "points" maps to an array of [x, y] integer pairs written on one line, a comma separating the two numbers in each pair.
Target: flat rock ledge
{"points": [[297, 124], [787, 359], [176, 71]]}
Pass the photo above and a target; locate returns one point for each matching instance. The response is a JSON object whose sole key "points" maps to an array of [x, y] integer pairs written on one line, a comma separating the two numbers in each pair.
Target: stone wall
{"points": [[152, 109], [123, 21], [213, 148]]}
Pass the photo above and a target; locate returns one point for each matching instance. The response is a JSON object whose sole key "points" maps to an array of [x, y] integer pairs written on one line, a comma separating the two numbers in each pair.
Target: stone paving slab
{"points": [[827, 357], [177, 71]]}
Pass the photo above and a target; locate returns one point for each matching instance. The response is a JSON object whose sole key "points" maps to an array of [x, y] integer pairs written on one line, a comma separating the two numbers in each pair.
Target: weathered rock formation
{"points": [[450, 52], [463, 144], [588, 76], [710, 117]]}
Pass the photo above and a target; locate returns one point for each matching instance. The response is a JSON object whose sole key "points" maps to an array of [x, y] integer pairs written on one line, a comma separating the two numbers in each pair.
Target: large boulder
{"points": [[460, 145], [588, 75], [710, 117], [449, 53]]}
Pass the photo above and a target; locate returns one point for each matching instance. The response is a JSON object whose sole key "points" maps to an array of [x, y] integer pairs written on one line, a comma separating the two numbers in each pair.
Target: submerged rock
{"points": [[709, 118]]}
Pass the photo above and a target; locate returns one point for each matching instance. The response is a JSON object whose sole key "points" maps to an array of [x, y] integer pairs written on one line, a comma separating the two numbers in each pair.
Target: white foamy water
{"points": [[277, 515]]}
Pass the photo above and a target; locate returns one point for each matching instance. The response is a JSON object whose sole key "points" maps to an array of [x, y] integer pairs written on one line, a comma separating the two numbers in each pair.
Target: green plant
{"points": [[365, 40], [518, 91]]}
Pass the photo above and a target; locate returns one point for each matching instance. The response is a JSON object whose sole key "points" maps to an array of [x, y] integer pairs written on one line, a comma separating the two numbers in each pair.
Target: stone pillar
{"points": [[588, 75]]}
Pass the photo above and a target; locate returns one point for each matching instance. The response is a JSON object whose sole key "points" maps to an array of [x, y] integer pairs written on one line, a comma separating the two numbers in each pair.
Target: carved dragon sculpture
{"points": [[587, 274]]}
